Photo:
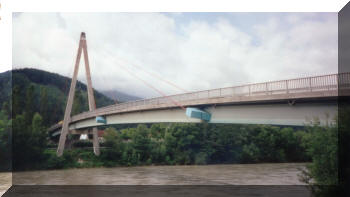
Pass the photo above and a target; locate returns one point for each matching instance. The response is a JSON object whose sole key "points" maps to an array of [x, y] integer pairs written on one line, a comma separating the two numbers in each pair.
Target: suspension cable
{"points": [[153, 75], [154, 88]]}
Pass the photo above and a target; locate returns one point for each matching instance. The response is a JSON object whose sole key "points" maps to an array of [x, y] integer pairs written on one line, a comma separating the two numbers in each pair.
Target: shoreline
{"points": [[156, 165]]}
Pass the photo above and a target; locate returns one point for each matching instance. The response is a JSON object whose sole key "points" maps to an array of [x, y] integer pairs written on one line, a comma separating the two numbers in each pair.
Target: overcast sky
{"points": [[195, 51]]}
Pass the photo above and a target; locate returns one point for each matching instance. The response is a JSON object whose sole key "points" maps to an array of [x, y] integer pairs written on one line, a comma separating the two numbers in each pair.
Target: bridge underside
{"points": [[297, 114]]}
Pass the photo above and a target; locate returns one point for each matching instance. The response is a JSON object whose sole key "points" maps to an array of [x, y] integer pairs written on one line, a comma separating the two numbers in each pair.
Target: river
{"points": [[236, 174]]}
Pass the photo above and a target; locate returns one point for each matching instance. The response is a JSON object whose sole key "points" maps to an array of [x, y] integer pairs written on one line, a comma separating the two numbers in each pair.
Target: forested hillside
{"points": [[45, 92], [120, 96], [38, 101]]}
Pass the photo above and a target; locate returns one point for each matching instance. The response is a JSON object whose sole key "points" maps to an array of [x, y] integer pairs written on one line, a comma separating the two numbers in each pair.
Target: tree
{"points": [[29, 142], [324, 152], [38, 134], [269, 140], [344, 145], [56, 111], [226, 143], [250, 153], [21, 148], [6, 109], [16, 101], [157, 131], [170, 144], [29, 104], [44, 105], [5, 142], [78, 104], [113, 141], [141, 142]]}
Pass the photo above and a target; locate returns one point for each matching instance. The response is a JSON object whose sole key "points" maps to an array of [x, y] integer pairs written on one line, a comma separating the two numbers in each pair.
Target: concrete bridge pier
{"points": [[95, 142]]}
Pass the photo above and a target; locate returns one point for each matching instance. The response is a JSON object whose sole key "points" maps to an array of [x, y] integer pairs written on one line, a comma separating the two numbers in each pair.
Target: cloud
{"points": [[194, 53]]}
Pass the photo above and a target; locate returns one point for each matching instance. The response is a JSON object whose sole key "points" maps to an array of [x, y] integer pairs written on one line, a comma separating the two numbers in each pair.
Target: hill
{"points": [[120, 96], [49, 92]]}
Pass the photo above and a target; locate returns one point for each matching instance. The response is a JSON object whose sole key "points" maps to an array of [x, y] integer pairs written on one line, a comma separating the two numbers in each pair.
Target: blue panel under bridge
{"points": [[101, 119], [197, 113]]}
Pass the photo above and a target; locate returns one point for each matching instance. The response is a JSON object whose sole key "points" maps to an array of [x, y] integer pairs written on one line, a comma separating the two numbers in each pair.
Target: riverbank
{"points": [[82, 158], [175, 144]]}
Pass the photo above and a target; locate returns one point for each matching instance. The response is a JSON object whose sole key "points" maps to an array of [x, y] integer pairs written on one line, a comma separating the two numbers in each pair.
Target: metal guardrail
{"points": [[282, 87]]}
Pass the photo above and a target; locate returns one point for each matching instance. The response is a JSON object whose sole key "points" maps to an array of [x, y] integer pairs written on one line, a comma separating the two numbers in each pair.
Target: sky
{"points": [[195, 51]]}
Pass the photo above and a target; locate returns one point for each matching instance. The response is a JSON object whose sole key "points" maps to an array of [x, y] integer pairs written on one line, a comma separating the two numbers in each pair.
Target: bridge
{"points": [[292, 102]]}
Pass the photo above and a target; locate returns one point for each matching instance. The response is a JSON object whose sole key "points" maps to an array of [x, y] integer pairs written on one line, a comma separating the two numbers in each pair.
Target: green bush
{"points": [[82, 144], [250, 153], [201, 158], [186, 144], [323, 149]]}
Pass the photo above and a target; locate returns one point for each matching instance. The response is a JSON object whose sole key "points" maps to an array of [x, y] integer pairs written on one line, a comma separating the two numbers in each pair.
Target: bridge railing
{"points": [[300, 85]]}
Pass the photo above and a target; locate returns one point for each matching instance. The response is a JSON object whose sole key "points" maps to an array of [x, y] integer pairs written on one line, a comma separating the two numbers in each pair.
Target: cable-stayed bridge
{"points": [[285, 102]]}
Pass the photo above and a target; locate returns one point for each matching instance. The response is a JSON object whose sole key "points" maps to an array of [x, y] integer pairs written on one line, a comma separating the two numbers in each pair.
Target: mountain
{"points": [[47, 93], [120, 96]]}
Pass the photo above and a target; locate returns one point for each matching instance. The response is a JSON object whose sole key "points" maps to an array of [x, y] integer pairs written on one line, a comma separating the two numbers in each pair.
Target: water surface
{"points": [[232, 174]]}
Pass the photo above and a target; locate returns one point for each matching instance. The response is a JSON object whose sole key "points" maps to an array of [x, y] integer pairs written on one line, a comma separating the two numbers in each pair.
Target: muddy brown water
{"points": [[232, 174], [237, 174]]}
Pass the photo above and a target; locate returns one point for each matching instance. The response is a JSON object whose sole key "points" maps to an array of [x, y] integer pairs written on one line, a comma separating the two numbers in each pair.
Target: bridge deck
{"points": [[301, 88]]}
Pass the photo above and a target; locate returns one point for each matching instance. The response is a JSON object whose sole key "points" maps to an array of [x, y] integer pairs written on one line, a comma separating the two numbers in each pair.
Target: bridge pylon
{"points": [[91, 99]]}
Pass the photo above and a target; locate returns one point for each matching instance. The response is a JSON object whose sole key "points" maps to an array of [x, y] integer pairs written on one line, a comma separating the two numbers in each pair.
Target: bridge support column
{"points": [[95, 142], [91, 99]]}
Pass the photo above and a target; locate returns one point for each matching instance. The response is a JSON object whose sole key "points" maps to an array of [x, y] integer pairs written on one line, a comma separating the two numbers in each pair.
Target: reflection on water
{"points": [[237, 174]]}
